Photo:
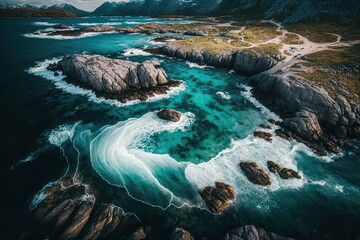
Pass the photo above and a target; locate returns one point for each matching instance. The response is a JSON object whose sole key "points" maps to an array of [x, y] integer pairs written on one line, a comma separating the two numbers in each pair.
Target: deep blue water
{"points": [[128, 146]]}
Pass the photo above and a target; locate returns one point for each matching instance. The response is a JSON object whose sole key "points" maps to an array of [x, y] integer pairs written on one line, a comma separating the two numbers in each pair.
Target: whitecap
{"points": [[319, 182], [132, 22], [100, 24], [224, 95], [195, 65], [44, 24], [61, 134], [339, 188], [41, 70], [135, 52]]}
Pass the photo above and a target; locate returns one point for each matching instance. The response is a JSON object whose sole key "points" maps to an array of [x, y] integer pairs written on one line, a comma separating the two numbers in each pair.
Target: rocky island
{"points": [[116, 79]]}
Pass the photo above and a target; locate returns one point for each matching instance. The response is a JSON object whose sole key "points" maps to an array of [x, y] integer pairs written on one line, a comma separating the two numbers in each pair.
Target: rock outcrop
{"points": [[117, 77], [307, 111], [194, 32], [67, 32], [273, 167], [250, 232], [284, 173], [255, 174], [71, 212], [169, 115], [217, 198], [243, 62], [253, 63], [180, 234], [264, 135]]}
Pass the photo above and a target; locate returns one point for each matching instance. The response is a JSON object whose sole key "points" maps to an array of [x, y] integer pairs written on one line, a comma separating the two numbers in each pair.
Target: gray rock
{"points": [[306, 110], [240, 61], [305, 124], [250, 232], [252, 63], [112, 75]]}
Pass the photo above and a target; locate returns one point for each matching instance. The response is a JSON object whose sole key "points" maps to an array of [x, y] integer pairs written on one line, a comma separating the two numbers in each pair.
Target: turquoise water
{"points": [[154, 168]]}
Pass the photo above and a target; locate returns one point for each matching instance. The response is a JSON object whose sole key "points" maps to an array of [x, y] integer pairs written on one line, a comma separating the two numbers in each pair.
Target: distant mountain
{"points": [[291, 10], [15, 6], [26, 10], [157, 7], [66, 6], [284, 10]]}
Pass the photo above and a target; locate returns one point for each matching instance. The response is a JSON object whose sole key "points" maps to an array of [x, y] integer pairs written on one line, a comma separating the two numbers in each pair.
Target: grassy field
{"points": [[337, 70], [321, 32]]}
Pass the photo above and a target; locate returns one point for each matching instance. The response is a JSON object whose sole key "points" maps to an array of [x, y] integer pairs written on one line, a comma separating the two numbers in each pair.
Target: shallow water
{"points": [[161, 165]]}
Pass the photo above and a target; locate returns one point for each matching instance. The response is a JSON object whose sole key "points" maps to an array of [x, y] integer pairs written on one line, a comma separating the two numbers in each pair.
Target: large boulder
{"points": [[112, 75], [305, 124], [287, 173], [253, 63], [217, 198], [255, 174], [169, 115]]}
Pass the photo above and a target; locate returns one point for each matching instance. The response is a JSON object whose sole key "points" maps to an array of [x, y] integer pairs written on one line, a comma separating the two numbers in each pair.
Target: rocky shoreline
{"points": [[240, 61], [70, 210], [311, 115]]}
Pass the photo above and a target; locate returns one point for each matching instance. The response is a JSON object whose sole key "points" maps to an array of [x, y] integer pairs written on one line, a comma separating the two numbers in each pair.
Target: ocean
{"points": [[150, 167]]}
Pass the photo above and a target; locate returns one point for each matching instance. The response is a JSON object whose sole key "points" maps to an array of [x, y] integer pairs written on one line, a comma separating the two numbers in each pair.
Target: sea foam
{"points": [[45, 35], [135, 52]]}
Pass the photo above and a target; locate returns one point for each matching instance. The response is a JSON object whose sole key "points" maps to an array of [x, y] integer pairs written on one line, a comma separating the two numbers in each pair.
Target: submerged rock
{"points": [[169, 114], [250, 232], [255, 174], [265, 126], [263, 135], [217, 198], [180, 234], [61, 26]]}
